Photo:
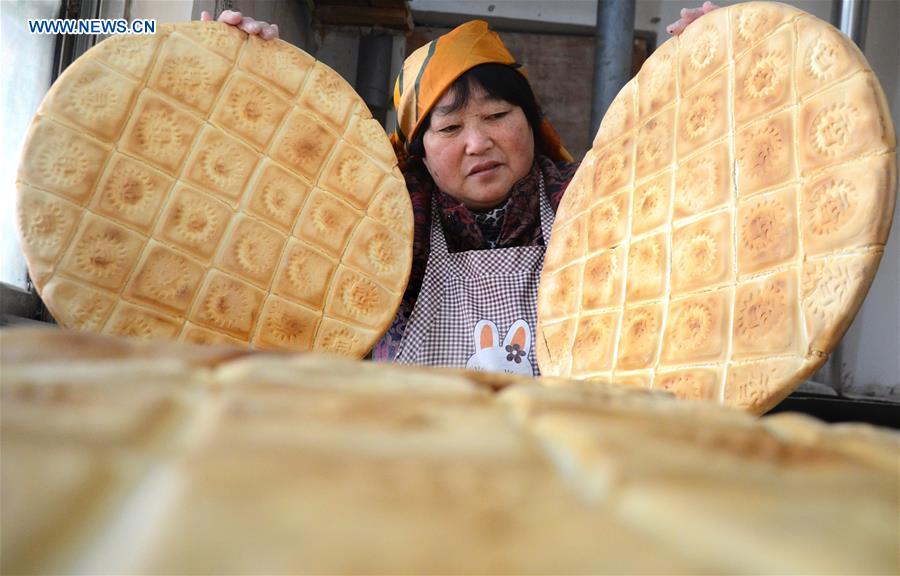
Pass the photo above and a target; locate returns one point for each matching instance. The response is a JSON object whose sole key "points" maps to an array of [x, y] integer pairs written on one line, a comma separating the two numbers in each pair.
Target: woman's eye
{"points": [[449, 129], [498, 115]]}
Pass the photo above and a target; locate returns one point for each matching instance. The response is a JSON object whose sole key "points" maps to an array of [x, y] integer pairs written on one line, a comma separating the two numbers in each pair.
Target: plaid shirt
{"points": [[521, 227]]}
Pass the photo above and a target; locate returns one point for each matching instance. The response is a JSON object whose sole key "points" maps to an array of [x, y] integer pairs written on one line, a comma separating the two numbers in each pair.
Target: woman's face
{"points": [[475, 154]]}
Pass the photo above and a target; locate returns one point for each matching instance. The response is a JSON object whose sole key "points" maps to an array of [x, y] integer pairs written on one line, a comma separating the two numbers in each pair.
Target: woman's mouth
{"points": [[484, 167]]}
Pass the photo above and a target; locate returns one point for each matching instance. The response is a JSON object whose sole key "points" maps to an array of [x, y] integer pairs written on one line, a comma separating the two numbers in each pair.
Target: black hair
{"points": [[500, 82]]}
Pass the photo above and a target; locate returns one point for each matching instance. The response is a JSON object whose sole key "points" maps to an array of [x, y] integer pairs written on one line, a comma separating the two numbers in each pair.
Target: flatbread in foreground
{"points": [[164, 458]]}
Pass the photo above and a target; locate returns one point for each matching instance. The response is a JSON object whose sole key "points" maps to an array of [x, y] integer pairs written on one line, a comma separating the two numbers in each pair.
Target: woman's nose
{"points": [[478, 140]]}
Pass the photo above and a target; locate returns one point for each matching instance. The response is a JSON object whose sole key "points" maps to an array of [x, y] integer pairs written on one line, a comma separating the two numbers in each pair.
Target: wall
{"points": [[165, 11], [552, 61]]}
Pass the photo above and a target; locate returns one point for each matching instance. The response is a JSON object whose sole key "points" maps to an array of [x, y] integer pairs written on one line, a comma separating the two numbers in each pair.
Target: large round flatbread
{"points": [[122, 457], [721, 234], [204, 185]]}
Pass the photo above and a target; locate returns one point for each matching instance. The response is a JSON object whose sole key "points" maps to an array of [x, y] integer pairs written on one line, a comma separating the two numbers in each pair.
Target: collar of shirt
{"points": [[491, 223], [521, 211]]}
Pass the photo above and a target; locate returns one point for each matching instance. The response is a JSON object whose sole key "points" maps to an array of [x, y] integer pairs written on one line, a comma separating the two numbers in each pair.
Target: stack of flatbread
{"points": [[127, 457], [722, 233], [202, 185]]}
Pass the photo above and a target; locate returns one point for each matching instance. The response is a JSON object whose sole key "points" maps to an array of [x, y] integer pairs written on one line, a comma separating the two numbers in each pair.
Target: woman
{"points": [[485, 172]]}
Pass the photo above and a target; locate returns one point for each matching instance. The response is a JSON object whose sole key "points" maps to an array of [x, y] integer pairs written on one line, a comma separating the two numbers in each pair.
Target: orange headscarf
{"points": [[433, 68]]}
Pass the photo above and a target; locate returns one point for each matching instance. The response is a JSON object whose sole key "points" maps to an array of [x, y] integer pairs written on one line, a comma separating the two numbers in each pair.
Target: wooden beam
{"points": [[398, 17]]}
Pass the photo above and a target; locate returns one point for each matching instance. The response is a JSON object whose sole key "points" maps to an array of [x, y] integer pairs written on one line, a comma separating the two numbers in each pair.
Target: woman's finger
{"points": [[691, 14], [230, 17], [269, 32], [676, 28], [688, 15], [250, 26], [265, 30]]}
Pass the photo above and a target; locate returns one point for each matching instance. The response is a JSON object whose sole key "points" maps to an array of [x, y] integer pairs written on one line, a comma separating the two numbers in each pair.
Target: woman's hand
{"points": [[264, 30], [688, 15]]}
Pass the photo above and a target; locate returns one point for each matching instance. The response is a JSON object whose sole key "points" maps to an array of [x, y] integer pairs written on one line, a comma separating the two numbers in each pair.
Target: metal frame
{"points": [[70, 47], [612, 55]]}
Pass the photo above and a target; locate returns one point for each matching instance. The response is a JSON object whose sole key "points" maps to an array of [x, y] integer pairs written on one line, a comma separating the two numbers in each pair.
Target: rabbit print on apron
{"points": [[510, 357], [467, 297]]}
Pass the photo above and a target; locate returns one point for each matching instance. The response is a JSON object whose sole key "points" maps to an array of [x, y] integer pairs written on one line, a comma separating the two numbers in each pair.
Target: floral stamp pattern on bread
{"points": [[736, 203], [204, 185]]}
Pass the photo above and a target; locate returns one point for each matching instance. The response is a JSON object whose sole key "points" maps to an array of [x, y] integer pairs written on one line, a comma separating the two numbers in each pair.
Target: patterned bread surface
{"points": [[207, 186], [722, 232], [123, 456]]}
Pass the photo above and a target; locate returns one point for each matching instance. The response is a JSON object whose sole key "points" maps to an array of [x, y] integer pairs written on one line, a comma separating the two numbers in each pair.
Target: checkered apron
{"points": [[472, 305]]}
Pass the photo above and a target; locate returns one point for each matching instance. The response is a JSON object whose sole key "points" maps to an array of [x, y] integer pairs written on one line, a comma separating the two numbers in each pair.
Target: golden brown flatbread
{"points": [[722, 232], [122, 456], [202, 185]]}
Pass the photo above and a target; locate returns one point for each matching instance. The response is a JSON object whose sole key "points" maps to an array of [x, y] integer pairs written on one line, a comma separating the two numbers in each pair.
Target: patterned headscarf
{"points": [[433, 68]]}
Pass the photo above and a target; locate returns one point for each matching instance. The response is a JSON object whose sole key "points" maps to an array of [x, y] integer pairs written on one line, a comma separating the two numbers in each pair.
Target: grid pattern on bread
{"points": [[208, 186], [130, 457], [722, 232]]}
